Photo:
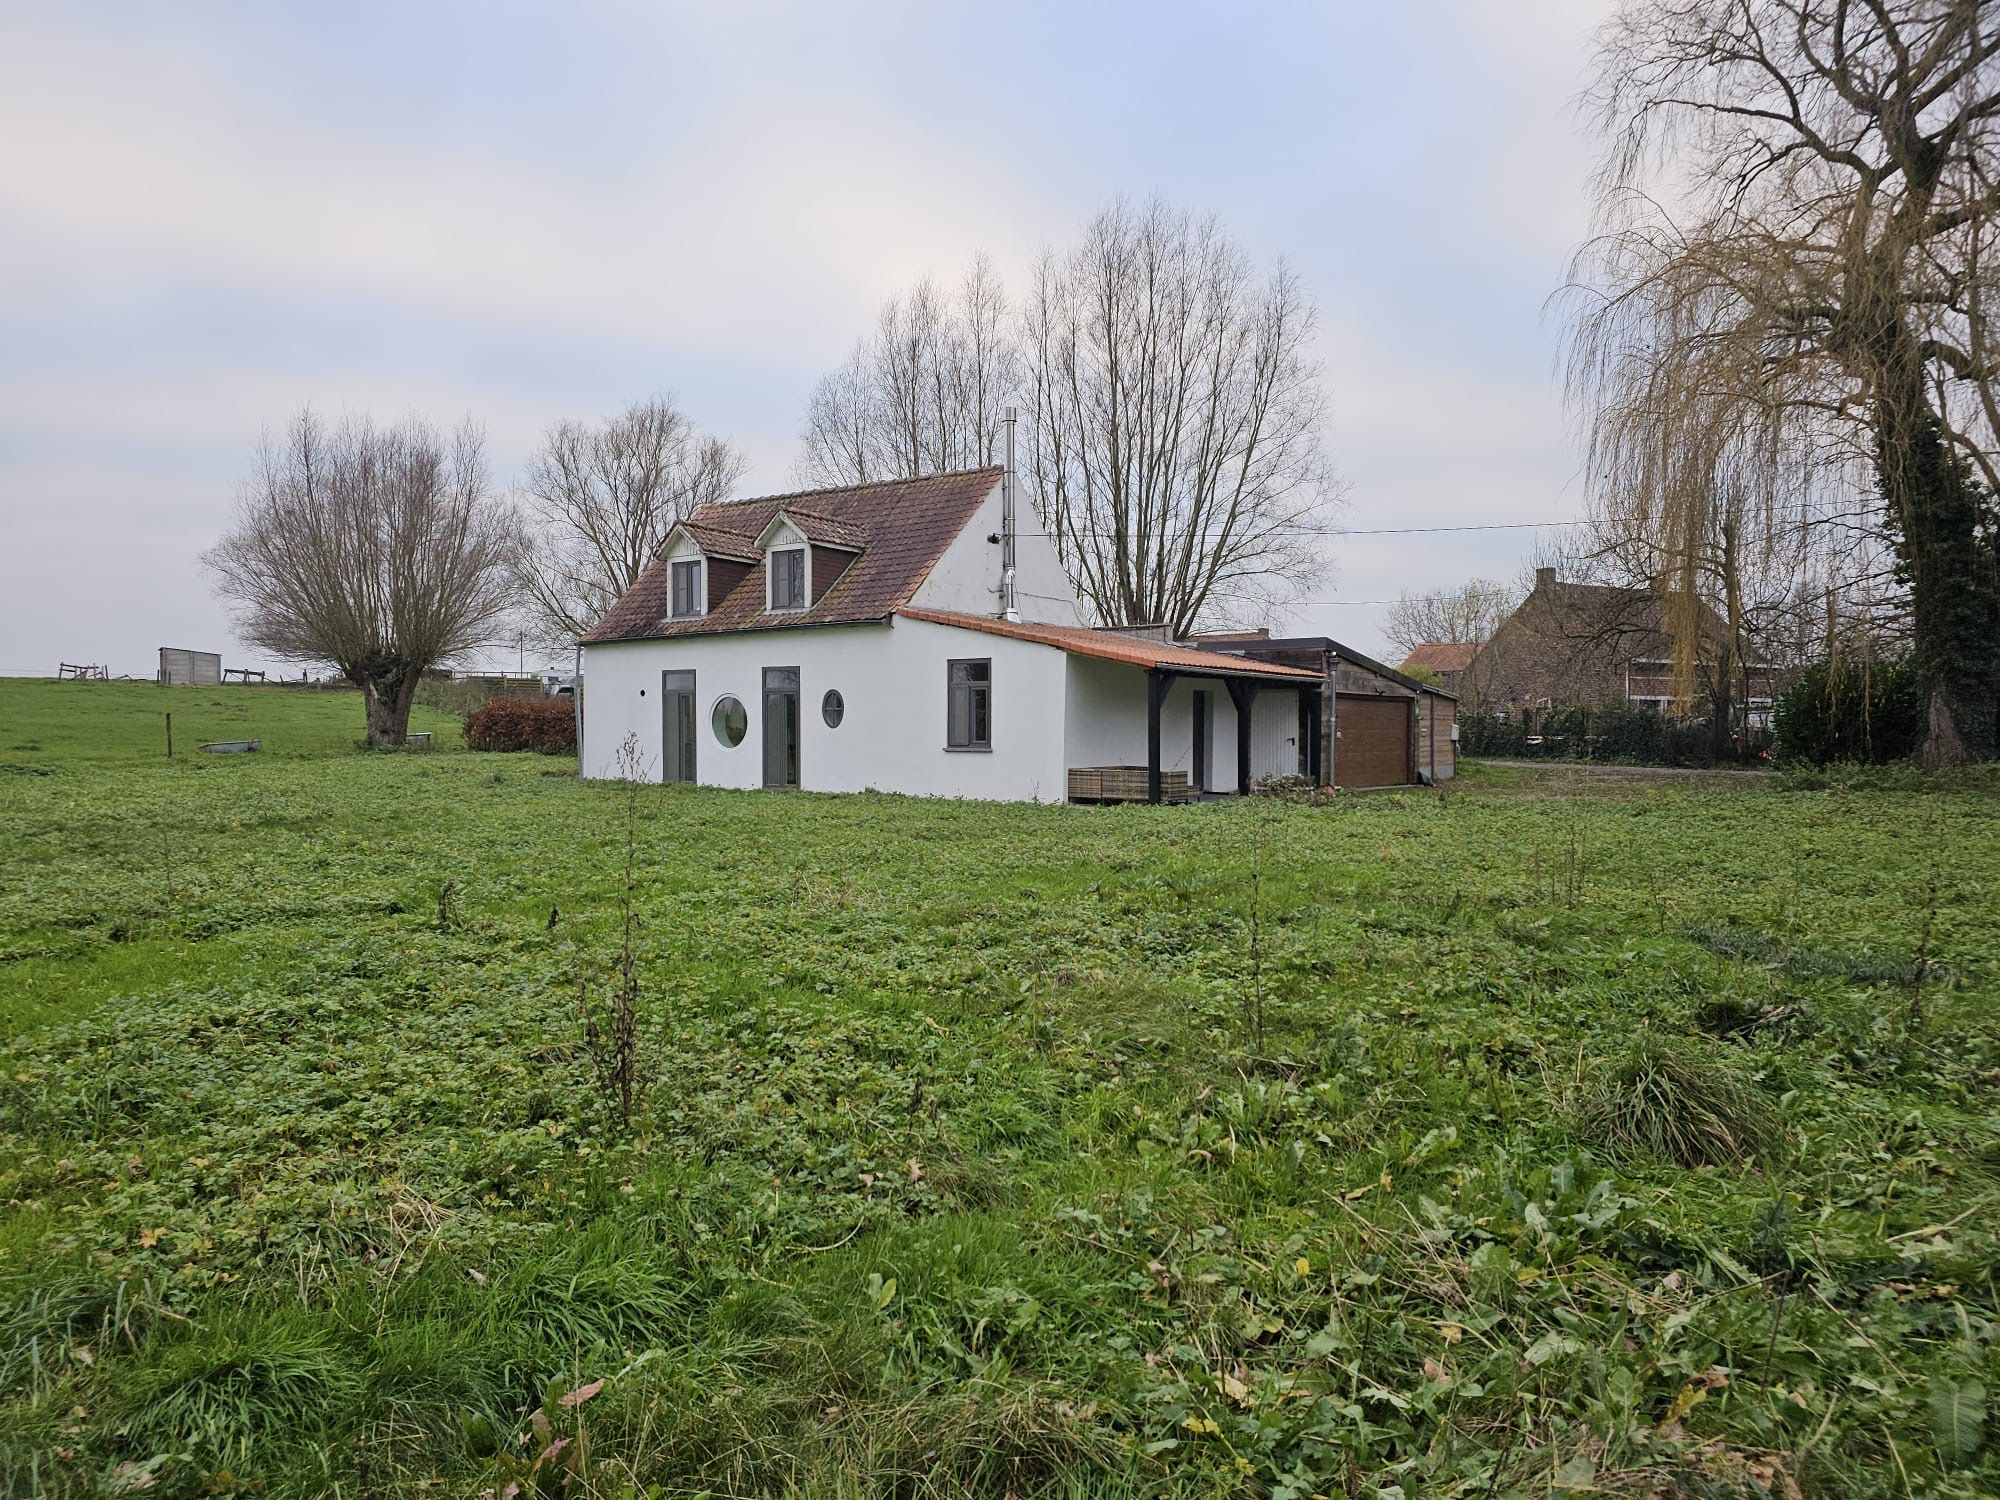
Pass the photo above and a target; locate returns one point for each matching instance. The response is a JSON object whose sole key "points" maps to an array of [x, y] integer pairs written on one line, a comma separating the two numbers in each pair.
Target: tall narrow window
{"points": [[687, 588], [788, 577], [969, 716], [781, 726]]}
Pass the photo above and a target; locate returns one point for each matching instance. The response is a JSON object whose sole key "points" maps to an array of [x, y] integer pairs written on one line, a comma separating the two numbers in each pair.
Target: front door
{"points": [[677, 726], [1201, 742], [781, 726]]}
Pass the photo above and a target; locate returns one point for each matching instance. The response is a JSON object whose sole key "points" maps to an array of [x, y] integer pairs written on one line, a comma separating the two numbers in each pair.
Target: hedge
{"points": [[547, 725], [1629, 735], [1864, 713]]}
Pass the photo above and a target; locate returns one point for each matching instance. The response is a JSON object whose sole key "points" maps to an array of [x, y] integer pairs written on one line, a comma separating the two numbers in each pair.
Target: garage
{"points": [[1371, 741], [1388, 729]]}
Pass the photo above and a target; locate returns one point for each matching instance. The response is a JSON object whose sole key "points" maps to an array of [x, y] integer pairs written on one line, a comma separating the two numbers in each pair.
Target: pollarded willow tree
{"points": [[1784, 314], [1177, 448], [378, 550], [599, 499]]}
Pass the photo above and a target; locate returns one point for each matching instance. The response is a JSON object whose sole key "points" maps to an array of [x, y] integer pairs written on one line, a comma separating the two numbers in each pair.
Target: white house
{"points": [[905, 637]]}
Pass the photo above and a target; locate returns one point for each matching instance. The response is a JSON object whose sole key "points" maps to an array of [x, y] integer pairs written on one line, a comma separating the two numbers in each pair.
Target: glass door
{"points": [[677, 726], [781, 726]]}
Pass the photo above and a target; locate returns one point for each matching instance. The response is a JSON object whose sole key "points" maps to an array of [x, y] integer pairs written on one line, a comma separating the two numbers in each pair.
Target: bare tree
{"points": [[379, 550], [599, 500], [1468, 615], [923, 394], [1785, 306], [1176, 447]]}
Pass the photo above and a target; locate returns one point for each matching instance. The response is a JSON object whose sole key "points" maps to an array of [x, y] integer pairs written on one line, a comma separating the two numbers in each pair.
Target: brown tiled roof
{"points": [[716, 541], [827, 529], [1441, 656], [901, 526], [1108, 645]]}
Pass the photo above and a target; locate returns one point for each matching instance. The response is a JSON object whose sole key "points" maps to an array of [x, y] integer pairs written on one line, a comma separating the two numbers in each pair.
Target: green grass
{"points": [[962, 1171], [44, 723]]}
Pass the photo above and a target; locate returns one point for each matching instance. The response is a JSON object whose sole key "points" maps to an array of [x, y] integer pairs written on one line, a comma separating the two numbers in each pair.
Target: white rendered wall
{"points": [[1106, 724], [892, 678], [966, 579], [1106, 721]]}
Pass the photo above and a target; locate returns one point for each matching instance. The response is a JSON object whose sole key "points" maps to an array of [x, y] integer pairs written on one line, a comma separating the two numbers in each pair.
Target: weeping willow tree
{"points": [[1782, 320]]}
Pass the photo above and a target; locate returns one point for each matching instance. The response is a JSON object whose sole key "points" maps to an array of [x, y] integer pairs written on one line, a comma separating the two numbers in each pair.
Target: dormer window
{"points": [[788, 577], [687, 600]]}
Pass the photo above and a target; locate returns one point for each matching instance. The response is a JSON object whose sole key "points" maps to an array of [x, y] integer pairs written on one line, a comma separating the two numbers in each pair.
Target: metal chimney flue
{"points": [[1009, 606]]}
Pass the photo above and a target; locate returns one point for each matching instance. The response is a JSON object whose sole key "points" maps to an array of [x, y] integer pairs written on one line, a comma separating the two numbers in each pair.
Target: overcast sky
{"points": [[212, 213]]}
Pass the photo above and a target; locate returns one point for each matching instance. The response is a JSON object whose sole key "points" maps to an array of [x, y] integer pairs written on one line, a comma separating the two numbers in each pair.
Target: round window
{"points": [[833, 708], [732, 721]]}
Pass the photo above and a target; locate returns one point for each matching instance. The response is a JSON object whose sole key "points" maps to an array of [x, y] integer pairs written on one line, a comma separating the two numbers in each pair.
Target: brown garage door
{"points": [[1374, 744]]}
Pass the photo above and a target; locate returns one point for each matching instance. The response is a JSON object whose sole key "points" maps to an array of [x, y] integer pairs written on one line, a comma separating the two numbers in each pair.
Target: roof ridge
{"points": [[870, 484]]}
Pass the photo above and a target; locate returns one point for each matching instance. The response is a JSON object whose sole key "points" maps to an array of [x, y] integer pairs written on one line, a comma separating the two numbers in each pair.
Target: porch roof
{"points": [[1135, 651]]}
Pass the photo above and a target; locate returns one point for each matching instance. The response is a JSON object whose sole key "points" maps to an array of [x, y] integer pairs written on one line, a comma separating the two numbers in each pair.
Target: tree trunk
{"points": [[387, 691], [1954, 591]]}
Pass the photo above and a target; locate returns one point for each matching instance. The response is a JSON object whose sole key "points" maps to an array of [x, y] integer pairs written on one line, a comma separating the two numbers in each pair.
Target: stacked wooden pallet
{"points": [[1123, 784]]}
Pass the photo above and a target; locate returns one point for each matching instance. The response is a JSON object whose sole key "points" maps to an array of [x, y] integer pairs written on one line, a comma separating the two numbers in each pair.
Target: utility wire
{"points": [[1352, 530]]}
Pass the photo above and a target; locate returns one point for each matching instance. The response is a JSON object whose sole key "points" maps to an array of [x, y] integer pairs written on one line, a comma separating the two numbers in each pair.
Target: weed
{"points": [[450, 905], [1668, 1101], [611, 1028]]}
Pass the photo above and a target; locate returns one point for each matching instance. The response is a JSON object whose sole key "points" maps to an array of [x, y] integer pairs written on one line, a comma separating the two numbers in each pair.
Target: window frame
{"points": [[697, 604], [952, 687], [715, 709], [771, 556]]}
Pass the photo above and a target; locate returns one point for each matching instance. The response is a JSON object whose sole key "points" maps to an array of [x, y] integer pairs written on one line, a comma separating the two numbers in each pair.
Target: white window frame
{"points": [[699, 595], [771, 605]]}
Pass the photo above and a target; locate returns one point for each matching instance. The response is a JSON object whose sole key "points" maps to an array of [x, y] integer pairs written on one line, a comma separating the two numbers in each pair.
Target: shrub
{"points": [[1859, 711], [547, 725], [1668, 1101]]}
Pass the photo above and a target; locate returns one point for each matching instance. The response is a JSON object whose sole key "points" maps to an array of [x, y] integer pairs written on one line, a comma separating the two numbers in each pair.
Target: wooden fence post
{"points": [[170, 736]]}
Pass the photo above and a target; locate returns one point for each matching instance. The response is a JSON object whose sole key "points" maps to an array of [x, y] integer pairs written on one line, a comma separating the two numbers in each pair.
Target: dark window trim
{"points": [[951, 687], [695, 609], [805, 578]]}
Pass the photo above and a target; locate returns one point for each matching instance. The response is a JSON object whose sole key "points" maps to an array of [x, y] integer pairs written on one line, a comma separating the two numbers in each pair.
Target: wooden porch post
{"points": [[1158, 681], [1309, 745], [1327, 695], [1242, 693]]}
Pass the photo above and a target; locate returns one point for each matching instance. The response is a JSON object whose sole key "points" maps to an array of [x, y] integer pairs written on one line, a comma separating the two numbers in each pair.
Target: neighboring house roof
{"points": [[1111, 645], [899, 528], [1441, 656], [1637, 616]]}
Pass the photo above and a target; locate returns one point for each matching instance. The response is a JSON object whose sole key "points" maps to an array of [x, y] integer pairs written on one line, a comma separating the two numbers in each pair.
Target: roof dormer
{"points": [[704, 563], [804, 556]]}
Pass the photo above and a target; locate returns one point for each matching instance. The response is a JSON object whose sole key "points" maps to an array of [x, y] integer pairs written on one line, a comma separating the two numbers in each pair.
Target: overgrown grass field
{"points": [[1527, 1139]]}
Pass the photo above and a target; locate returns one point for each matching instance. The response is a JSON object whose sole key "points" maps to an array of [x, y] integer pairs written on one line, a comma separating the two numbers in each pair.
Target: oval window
{"points": [[833, 708], [732, 721]]}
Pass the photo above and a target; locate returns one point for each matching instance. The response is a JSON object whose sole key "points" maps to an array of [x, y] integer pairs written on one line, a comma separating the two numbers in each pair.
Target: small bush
{"points": [[547, 725], [1667, 1101]]}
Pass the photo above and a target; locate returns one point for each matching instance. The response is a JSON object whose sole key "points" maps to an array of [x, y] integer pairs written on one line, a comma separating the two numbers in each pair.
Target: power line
{"points": [[1099, 531]]}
